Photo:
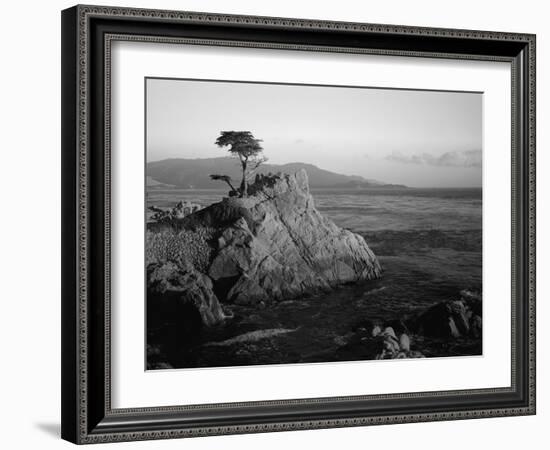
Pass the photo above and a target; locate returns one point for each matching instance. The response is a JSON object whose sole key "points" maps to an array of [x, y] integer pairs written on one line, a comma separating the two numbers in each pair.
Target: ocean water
{"points": [[370, 210], [429, 243], [403, 209]]}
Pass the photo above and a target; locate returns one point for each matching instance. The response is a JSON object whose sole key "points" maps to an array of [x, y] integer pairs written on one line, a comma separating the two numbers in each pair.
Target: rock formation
{"points": [[278, 246], [452, 318], [378, 341], [272, 245], [392, 348], [182, 209], [185, 287]]}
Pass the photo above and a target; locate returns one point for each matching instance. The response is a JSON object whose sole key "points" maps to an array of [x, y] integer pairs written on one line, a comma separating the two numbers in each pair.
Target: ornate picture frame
{"points": [[88, 33]]}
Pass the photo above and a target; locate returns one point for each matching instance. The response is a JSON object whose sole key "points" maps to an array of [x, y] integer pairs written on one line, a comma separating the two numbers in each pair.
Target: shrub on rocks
{"points": [[184, 247]]}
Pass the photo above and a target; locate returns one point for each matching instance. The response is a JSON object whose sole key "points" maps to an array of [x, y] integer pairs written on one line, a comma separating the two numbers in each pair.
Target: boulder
{"points": [[276, 245], [388, 331], [453, 329], [398, 325], [405, 342], [390, 348], [179, 288], [457, 311], [168, 215], [183, 209], [476, 326], [472, 300], [452, 318]]}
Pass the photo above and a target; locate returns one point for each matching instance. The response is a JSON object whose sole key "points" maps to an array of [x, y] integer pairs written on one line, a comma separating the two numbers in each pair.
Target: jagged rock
{"points": [[275, 244], [437, 321], [473, 302], [475, 326], [453, 329], [466, 294], [388, 331], [458, 313], [398, 326], [391, 345], [182, 209], [246, 291], [390, 348], [452, 318], [175, 286], [382, 345], [405, 342]]}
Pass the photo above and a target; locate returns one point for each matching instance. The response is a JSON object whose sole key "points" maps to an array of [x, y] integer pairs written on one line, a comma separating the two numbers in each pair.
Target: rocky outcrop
{"points": [[272, 245], [275, 244], [378, 341], [181, 210], [454, 325], [183, 289], [452, 318], [390, 347]]}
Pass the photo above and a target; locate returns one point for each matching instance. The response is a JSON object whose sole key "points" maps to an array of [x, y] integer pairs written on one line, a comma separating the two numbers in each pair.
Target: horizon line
{"points": [[383, 183], [337, 173]]}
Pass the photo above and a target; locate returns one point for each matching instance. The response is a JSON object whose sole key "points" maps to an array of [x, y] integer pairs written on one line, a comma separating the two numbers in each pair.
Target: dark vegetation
{"points": [[244, 146]]}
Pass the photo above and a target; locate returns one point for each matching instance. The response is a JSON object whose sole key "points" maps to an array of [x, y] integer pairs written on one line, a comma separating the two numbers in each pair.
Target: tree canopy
{"points": [[248, 149]]}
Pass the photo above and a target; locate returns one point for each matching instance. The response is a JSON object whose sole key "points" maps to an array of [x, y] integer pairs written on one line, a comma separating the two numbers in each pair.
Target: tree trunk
{"points": [[244, 184], [231, 186]]}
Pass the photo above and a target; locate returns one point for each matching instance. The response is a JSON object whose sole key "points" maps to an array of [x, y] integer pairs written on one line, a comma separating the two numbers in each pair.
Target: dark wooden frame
{"points": [[87, 31]]}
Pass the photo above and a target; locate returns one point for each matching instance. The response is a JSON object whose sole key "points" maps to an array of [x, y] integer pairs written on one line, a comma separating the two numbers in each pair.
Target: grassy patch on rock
{"points": [[183, 247]]}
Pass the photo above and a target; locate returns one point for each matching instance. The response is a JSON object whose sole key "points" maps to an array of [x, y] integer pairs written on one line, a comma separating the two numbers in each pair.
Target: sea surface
{"points": [[429, 243]]}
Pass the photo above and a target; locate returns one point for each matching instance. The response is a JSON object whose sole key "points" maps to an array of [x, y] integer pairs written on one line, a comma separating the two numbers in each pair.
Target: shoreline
{"points": [[419, 270]]}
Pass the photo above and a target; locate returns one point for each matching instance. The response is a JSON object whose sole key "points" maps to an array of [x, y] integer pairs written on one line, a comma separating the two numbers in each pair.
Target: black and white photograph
{"points": [[291, 223], [275, 225]]}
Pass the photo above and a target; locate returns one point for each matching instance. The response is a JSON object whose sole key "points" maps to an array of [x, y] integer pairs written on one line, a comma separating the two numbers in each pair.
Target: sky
{"points": [[412, 137]]}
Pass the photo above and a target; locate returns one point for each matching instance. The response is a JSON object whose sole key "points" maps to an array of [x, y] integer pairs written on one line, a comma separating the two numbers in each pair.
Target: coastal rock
{"points": [[405, 342], [453, 329], [472, 300], [388, 331], [390, 348], [475, 326], [275, 244], [452, 318], [398, 325], [182, 209], [179, 288]]}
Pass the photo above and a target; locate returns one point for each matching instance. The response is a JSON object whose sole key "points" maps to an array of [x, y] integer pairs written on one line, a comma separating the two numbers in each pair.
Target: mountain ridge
{"points": [[187, 173]]}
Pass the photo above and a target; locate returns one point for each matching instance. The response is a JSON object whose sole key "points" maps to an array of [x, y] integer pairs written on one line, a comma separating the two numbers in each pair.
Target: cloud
{"points": [[467, 158]]}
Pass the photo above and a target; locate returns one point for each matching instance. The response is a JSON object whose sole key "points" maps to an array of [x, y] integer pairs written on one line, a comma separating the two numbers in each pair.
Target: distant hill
{"points": [[156, 184], [195, 174]]}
